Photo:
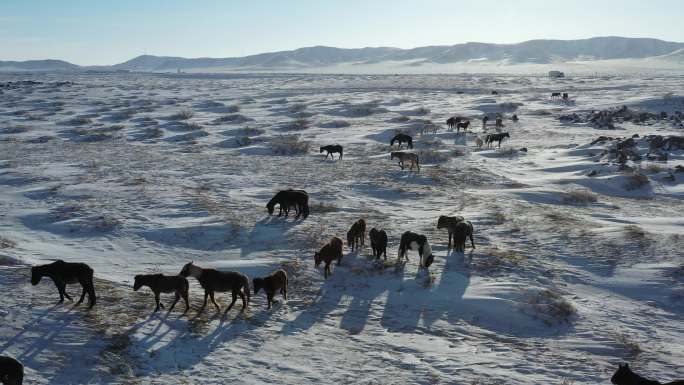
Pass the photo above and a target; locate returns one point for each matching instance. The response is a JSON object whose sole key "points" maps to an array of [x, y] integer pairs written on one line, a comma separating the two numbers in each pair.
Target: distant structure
{"points": [[556, 74]]}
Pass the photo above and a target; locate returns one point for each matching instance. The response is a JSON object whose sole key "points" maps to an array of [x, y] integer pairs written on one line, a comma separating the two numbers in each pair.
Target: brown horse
{"points": [[329, 252], [356, 236], [160, 283], [213, 280], [276, 281]]}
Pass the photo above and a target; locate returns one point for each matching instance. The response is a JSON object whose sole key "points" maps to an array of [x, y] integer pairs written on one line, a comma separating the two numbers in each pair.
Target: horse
{"points": [[461, 231], [429, 127], [478, 142], [555, 95], [625, 376], [290, 198], [485, 119], [275, 281], [213, 280], [329, 252], [514, 117], [357, 234], [491, 138], [160, 283], [64, 273], [11, 371], [402, 138], [378, 240], [462, 125], [565, 96], [332, 149], [449, 223], [413, 241], [499, 123], [494, 92], [406, 157], [453, 121]]}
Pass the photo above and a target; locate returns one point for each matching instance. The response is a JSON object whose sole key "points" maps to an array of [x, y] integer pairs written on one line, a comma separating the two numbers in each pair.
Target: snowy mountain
{"points": [[38, 65], [529, 52]]}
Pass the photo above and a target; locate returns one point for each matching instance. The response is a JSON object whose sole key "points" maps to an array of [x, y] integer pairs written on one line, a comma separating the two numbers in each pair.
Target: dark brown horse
{"points": [[11, 371], [276, 281], [625, 376], [64, 273], [356, 236], [329, 252], [299, 199], [160, 283], [213, 280], [462, 125]]}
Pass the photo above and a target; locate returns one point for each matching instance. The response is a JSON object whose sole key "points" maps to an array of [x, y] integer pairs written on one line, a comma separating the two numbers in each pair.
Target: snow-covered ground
{"points": [[135, 173]]}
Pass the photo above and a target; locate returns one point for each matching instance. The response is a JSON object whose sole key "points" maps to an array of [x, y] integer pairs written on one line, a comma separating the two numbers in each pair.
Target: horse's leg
{"points": [[269, 298], [206, 296], [184, 294], [175, 301], [234, 295], [156, 300], [83, 293], [471, 240], [244, 300], [211, 295], [61, 290]]}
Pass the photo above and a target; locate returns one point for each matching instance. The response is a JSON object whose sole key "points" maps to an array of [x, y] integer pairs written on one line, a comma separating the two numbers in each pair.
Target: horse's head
{"points": [[270, 206], [394, 154], [257, 283], [623, 376], [187, 269], [506, 135], [321, 150], [36, 274], [137, 282], [317, 259]]}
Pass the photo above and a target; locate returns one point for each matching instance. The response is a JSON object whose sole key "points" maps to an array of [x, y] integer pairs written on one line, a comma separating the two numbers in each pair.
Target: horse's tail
{"points": [[305, 206], [417, 162], [410, 143]]}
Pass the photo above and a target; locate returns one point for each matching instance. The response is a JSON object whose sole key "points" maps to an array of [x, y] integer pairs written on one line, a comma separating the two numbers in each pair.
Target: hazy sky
{"points": [[107, 32]]}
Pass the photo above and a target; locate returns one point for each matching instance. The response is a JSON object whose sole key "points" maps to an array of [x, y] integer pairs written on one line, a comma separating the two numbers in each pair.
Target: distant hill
{"points": [[533, 51], [38, 65]]}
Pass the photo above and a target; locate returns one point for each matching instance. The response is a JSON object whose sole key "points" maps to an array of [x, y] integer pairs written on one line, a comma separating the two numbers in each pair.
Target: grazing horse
{"points": [[63, 273], [11, 371], [332, 149], [485, 119], [357, 234], [160, 283], [299, 199], [555, 95], [499, 123], [491, 138], [413, 241], [329, 252], [402, 138], [276, 281], [565, 96], [462, 125], [378, 240], [625, 376], [213, 280], [406, 157]]}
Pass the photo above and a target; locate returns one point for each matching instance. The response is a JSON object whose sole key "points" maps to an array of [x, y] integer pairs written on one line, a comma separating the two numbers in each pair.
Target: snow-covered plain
{"points": [[136, 173]]}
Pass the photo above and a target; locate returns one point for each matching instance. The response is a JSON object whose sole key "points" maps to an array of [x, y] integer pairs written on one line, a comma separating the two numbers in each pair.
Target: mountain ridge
{"points": [[538, 51]]}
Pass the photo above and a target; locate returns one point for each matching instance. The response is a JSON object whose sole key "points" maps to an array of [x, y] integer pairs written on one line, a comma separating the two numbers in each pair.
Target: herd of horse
{"points": [[211, 280]]}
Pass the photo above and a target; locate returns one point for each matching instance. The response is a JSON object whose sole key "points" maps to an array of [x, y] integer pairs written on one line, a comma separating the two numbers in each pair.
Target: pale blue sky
{"points": [[106, 32]]}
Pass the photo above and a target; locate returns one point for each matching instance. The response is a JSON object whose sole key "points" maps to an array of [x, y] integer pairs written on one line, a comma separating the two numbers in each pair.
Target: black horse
{"points": [[491, 138], [453, 121], [332, 149], [625, 376], [299, 199], [462, 125], [63, 273], [378, 241], [402, 138], [11, 371]]}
